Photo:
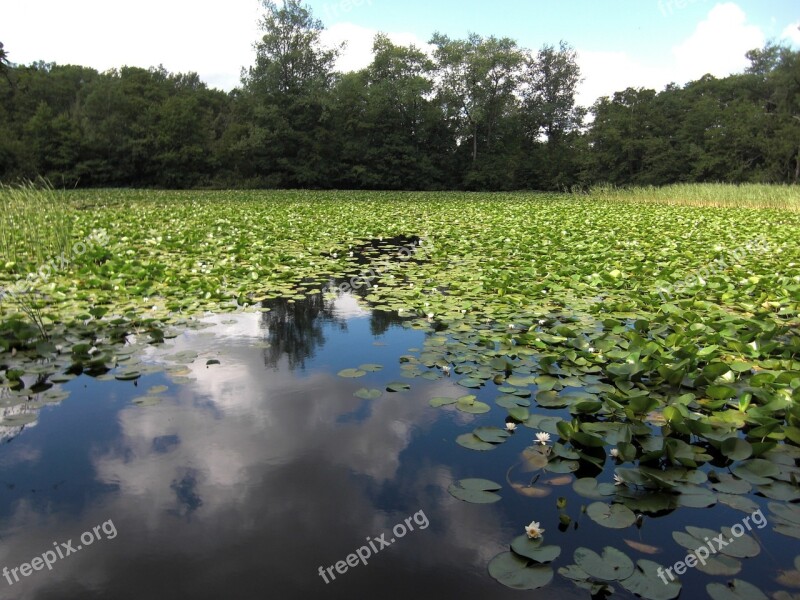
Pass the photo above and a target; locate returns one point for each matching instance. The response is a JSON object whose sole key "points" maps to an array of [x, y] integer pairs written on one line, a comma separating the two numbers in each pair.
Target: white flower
{"points": [[618, 480], [614, 453], [511, 426], [430, 316], [463, 310], [533, 530], [511, 326], [351, 253], [590, 349], [542, 321], [446, 370], [542, 438]]}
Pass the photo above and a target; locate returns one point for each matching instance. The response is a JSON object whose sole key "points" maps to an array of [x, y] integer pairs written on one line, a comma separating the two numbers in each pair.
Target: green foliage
{"points": [[35, 224], [482, 113]]}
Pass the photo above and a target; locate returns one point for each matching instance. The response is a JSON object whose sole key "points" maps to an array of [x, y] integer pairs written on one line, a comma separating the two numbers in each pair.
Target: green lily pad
{"points": [[475, 491], [442, 401], [647, 583], [397, 386], [469, 404], [469, 382], [351, 373], [613, 565], [515, 572], [128, 375], [368, 394], [613, 516], [493, 435], [534, 549], [735, 590], [756, 471], [147, 400], [470, 441], [588, 487], [736, 449]]}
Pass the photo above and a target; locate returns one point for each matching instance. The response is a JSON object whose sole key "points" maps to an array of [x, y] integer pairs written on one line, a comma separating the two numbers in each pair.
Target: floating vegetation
{"points": [[591, 325]]}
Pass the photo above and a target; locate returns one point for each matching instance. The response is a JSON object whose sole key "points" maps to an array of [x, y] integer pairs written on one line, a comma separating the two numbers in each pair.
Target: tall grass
{"points": [[751, 195], [35, 222]]}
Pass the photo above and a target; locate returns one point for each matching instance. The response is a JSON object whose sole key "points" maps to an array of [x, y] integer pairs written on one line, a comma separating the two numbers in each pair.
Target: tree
{"points": [[287, 89], [550, 115], [477, 81], [4, 62]]}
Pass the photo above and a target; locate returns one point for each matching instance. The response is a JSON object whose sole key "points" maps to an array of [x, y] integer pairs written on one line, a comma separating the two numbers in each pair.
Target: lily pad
{"points": [[647, 583], [613, 565], [493, 435], [515, 572], [470, 441], [613, 516], [475, 491], [534, 549], [397, 386], [735, 590], [351, 373]]}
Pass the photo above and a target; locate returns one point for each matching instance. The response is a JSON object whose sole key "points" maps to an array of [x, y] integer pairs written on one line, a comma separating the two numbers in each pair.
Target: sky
{"points": [[620, 43]]}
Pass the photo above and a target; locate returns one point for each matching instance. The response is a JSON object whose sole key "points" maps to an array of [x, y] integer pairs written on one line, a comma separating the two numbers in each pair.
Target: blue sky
{"points": [[620, 43]]}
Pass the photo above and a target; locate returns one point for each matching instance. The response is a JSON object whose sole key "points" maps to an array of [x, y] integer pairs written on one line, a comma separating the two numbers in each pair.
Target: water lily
{"points": [[542, 321], [590, 349], [534, 530], [614, 453], [542, 438], [430, 316], [511, 426], [618, 480], [446, 370]]}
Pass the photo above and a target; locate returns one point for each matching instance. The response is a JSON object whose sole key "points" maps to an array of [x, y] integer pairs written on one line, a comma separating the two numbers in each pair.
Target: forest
{"points": [[480, 113]]}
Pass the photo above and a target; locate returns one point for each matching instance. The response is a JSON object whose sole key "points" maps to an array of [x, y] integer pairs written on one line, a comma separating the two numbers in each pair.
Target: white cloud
{"points": [[717, 46], [358, 52], [792, 33], [205, 36]]}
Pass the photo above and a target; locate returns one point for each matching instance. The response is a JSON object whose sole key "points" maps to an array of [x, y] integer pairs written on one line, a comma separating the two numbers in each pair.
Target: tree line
{"points": [[480, 113]]}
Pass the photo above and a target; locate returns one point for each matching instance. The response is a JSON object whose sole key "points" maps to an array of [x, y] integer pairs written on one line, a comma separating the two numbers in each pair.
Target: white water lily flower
{"points": [[446, 370], [614, 453], [511, 426], [542, 321], [430, 315], [542, 438], [463, 310], [618, 480], [534, 530], [590, 349]]}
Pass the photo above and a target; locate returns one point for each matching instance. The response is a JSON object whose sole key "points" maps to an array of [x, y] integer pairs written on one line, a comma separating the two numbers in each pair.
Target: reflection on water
{"points": [[243, 482], [255, 472]]}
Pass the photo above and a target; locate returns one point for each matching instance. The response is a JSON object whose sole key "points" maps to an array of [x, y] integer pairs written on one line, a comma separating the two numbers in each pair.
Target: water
{"points": [[251, 474]]}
